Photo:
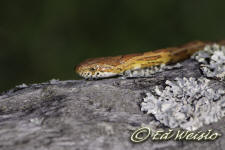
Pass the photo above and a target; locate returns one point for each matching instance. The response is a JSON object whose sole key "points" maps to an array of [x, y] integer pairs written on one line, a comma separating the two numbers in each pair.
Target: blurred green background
{"points": [[45, 39]]}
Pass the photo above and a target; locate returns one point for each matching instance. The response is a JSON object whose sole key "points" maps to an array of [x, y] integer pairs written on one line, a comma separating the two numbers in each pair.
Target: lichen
{"points": [[54, 81], [186, 103], [22, 86], [148, 72], [212, 60]]}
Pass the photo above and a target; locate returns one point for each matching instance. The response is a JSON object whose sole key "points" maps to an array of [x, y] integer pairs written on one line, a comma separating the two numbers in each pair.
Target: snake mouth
{"points": [[97, 75], [85, 75]]}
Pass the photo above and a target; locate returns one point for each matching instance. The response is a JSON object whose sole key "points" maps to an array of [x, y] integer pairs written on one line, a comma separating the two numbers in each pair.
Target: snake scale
{"points": [[104, 67]]}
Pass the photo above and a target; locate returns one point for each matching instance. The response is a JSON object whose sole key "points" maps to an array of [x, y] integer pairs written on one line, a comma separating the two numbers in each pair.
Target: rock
{"points": [[95, 115]]}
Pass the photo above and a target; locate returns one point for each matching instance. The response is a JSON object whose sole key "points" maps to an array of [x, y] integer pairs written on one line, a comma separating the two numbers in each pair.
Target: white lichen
{"points": [[54, 81], [186, 103], [21, 86], [212, 60], [149, 72]]}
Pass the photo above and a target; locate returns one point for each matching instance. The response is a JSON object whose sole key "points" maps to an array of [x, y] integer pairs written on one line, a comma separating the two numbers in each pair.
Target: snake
{"points": [[111, 66]]}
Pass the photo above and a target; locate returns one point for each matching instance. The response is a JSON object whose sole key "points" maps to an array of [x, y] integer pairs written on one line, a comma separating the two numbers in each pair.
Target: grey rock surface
{"points": [[89, 115]]}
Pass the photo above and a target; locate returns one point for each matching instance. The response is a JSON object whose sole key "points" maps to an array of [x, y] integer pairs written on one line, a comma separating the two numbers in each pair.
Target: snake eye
{"points": [[92, 69], [97, 73]]}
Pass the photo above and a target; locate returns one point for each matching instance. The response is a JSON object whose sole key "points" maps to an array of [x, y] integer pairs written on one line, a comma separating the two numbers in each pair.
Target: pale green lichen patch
{"points": [[212, 60], [149, 72], [186, 103]]}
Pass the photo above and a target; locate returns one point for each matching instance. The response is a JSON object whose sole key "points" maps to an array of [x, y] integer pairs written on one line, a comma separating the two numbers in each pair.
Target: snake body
{"points": [[104, 67]]}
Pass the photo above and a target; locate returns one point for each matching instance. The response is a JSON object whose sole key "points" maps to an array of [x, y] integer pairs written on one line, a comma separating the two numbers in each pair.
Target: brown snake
{"points": [[104, 67]]}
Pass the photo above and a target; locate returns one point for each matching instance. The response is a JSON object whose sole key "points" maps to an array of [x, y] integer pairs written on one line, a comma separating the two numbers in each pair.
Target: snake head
{"points": [[95, 69]]}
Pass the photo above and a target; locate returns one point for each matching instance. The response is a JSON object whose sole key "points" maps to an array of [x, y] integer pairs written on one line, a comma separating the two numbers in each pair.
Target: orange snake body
{"points": [[104, 67]]}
